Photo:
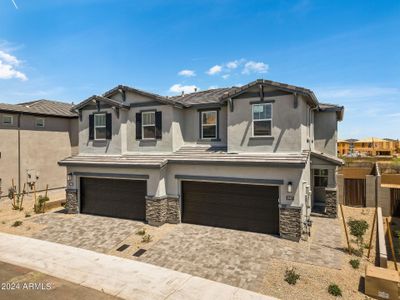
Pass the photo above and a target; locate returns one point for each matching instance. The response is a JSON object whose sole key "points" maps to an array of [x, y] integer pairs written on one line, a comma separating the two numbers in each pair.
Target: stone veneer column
{"points": [[331, 202], [290, 222], [71, 205], [161, 210]]}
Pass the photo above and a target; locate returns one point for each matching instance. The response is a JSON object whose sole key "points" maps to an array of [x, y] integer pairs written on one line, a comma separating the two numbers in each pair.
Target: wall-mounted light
{"points": [[69, 176], [289, 187]]}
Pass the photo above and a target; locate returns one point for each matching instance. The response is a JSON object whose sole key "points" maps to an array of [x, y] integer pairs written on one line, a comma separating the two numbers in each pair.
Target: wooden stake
{"points": [[47, 188], [391, 243], [22, 197], [372, 232], [345, 228]]}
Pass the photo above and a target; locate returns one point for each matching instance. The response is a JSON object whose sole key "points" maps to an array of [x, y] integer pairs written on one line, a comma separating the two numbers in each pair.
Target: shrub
{"points": [[16, 224], [27, 215], [141, 232], [355, 263], [366, 245], [147, 238], [335, 290], [358, 228], [357, 252], [291, 276], [40, 203]]}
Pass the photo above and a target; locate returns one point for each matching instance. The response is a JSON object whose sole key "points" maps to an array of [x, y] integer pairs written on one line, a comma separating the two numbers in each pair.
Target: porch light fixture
{"points": [[289, 187], [69, 177]]}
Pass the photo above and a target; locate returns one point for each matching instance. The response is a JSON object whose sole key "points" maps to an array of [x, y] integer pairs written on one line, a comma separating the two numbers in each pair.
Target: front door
{"points": [[320, 182]]}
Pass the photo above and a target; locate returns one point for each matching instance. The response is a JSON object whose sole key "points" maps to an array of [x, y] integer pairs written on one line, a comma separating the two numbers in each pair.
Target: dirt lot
{"points": [[314, 280]]}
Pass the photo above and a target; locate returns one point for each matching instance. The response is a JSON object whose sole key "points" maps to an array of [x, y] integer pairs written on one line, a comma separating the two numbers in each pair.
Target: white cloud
{"points": [[8, 58], [255, 67], [232, 64], [214, 70], [187, 73], [226, 76], [356, 92], [178, 88], [8, 63]]}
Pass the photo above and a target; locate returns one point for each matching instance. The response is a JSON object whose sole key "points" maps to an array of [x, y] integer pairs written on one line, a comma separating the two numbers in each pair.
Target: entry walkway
{"points": [[113, 275]]}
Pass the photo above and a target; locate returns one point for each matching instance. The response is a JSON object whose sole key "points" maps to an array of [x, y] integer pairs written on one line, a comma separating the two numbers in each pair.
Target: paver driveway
{"points": [[85, 231], [241, 258]]}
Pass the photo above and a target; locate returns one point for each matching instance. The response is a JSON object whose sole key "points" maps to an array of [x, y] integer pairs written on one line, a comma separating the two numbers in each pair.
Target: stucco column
{"points": [[370, 190]]}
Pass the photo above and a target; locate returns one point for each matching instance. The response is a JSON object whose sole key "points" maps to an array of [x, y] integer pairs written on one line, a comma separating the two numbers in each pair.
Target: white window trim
{"points": [[99, 126], [149, 125], [252, 119], [36, 124], [209, 125], [8, 124]]}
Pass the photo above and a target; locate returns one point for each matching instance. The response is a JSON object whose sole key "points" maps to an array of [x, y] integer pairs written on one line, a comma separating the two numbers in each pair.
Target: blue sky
{"points": [[348, 52]]}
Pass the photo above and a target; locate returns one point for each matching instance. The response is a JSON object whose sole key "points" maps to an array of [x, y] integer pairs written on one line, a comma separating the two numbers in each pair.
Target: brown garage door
{"points": [[236, 206], [354, 192], [119, 198]]}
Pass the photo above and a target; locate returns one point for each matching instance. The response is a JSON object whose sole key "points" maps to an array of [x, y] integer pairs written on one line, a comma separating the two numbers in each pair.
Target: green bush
{"points": [[16, 224], [357, 252], [358, 228], [40, 203], [335, 290], [355, 263], [291, 276], [27, 215]]}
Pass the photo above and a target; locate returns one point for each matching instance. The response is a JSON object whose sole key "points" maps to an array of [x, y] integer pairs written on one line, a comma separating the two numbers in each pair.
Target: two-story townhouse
{"points": [[256, 157]]}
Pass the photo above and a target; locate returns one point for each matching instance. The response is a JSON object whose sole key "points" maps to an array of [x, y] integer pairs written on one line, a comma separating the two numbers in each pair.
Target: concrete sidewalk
{"points": [[116, 276]]}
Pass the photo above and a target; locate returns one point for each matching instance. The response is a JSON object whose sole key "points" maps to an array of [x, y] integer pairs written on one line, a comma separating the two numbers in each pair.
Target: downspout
{"points": [[19, 153]]}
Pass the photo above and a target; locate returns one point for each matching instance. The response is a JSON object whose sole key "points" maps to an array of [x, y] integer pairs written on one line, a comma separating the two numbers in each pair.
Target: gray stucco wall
{"points": [[288, 126], [325, 132]]}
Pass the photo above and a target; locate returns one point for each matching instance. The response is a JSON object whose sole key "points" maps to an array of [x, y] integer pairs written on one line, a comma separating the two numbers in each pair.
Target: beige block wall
{"points": [[383, 198], [340, 187]]}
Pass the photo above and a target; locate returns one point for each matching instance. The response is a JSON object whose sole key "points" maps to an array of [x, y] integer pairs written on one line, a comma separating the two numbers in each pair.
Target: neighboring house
{"points": [[34, 136], [345, 147], [255, 158]]}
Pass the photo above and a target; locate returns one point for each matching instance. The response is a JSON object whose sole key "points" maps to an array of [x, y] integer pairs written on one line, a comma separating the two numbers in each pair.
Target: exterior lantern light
{"points": [[69, 176], [289, 187]]}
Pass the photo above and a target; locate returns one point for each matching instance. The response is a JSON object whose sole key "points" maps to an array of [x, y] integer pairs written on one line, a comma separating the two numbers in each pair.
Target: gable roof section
{"points": [[125, 88], [202, 97], [93, 99], [41, 107], [326, 157]]}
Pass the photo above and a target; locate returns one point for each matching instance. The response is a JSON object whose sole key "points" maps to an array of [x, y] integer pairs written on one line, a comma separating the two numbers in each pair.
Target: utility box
{"points": [[381, 283]]}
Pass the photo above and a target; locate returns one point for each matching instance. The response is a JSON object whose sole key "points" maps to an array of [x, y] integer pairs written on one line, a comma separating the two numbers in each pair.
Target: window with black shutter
{"points": [[149, 125], [91, 127]]}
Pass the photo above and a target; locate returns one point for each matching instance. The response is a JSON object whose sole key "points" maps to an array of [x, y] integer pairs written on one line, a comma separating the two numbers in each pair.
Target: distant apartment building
{"points": [[368, 147]]}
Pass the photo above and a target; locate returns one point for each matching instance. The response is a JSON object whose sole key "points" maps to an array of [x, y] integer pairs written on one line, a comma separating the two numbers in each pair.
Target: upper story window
{"points": [[8, 120], [262, 119], [209, 124], [149, 125], [39, 122], [321, 177], [100, 126]]}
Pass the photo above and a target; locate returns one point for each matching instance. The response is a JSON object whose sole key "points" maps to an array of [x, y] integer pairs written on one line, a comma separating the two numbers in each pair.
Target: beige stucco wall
{"points": [[40, 151], [370, 187]]}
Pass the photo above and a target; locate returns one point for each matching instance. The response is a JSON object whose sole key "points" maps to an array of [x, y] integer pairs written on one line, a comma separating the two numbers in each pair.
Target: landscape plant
{"points": [[40, 204], [291, 276], [355, 263], [358, 229], [16, 224], [17, 199], [141, 232], [334, 290], [147, 238]]}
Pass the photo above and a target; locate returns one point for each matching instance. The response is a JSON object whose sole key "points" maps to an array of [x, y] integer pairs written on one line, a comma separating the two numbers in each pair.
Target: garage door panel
{"points": [[119, 198], [236, 206]]}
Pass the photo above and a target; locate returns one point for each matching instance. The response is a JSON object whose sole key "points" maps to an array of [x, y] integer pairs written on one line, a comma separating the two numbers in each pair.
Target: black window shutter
{"points": [[138, 126], [108, 126], [91, 127], [158, 125]]}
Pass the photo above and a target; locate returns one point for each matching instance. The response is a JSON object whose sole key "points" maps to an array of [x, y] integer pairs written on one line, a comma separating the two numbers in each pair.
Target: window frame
{"points": [[149, 125], [268, 119], [318, 174], [208, 125], [7, 124], [36, 124], [101, 126]]}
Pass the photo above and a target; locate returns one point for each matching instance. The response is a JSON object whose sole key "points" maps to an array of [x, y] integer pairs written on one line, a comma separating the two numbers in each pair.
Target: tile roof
{"points": [[190, 155], [41, 107], [202, 97]]}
